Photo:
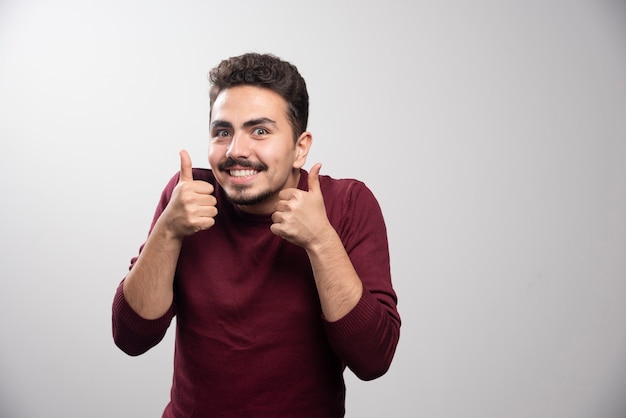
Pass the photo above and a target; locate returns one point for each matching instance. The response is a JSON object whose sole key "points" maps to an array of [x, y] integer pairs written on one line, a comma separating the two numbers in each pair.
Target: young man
{"points": [[278, 278]]}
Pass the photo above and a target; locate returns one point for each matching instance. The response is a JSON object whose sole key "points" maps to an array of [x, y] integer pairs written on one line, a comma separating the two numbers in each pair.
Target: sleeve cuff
{"points": [[355, 321]]}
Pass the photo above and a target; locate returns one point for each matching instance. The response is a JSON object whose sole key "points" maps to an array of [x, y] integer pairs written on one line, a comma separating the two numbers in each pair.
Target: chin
{"points": [[240, 197]]}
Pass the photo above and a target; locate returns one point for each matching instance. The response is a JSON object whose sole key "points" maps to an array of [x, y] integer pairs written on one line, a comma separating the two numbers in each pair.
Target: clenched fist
{"points": [[193, 206], [300, 217]]}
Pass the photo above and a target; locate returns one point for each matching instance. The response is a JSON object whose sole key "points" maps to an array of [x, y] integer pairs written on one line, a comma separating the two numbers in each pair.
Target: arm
{"points": [[338, 285], [351, 270], [300, 218], [147, 290]]}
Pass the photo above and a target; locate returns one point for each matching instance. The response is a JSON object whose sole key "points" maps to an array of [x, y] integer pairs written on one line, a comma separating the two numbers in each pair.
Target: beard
{"points": [[239, 196]]}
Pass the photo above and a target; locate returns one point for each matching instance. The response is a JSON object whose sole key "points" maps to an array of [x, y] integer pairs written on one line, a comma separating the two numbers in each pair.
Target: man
{"points": [[278, 278]]}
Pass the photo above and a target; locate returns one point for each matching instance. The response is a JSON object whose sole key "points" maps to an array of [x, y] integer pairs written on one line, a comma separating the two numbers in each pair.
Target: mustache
{"points": [[229, 163]]}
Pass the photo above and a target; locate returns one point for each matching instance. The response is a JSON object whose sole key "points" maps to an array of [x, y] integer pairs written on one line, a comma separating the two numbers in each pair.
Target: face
{"points": [[252, 150]]}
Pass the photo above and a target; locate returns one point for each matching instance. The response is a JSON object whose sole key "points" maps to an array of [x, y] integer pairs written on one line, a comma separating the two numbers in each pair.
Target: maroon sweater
{"points": [[251, 340]]}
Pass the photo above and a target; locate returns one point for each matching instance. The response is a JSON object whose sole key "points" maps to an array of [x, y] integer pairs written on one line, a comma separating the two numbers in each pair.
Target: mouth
{"points": [[241, 169], [242, 173]]}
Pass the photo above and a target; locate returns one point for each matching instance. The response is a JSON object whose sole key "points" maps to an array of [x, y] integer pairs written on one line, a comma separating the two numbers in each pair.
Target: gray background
{"points": [[492, 132]]}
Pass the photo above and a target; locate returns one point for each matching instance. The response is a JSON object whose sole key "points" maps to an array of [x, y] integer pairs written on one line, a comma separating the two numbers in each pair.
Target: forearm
{"points": [[357, 298], [338, 284], [148, 288]]}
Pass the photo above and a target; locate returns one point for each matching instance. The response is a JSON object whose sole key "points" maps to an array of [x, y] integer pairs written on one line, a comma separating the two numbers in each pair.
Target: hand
{"points": [[299, 216], [192, 207]]}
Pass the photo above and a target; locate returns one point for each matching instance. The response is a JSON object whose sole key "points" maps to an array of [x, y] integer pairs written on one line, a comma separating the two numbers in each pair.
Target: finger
{"points": [[278, 231], [287, 194], [185, 167], [275, 228], [314, 178]]}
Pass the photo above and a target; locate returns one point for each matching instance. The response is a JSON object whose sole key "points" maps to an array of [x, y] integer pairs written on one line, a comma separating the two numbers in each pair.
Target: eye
{"points": [[222, 133], [260, 131]]}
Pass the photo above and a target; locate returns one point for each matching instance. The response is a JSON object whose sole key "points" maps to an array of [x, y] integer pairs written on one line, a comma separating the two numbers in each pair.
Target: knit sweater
{"points": [[251, 340]]}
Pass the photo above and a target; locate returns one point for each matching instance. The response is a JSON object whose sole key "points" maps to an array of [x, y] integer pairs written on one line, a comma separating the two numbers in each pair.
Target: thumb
{"points": [[185, 167], [314, 178]]}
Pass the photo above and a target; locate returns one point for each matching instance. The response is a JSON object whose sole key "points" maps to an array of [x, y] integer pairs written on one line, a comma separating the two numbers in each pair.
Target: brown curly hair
{"points": [[267, 71]]}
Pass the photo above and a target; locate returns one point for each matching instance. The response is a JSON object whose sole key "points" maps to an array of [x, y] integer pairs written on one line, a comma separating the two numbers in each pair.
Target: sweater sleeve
{"points": [[366, 338], [132, 333]]}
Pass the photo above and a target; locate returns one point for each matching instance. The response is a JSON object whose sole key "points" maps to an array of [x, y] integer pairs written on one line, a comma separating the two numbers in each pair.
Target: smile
{"points": [[242, 173]]}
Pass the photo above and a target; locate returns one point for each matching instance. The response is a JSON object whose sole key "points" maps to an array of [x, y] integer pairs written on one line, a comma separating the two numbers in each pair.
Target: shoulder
{"points": [[352, 209], [345, 195], [343, 188]]}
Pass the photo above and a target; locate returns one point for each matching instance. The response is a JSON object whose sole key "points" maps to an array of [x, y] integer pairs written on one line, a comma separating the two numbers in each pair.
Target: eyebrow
{"points": [[259, 121], [221, 124]]}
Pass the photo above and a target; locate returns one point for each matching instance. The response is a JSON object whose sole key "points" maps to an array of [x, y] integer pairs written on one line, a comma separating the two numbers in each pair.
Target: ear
{"points": [[302, 147]]}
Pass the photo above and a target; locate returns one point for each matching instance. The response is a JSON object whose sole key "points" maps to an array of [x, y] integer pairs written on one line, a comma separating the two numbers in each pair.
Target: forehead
{"points": [[242, 103]]}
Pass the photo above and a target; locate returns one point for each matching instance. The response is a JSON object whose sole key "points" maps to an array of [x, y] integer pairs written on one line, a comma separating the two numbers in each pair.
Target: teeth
{"points": [[242, 173]]}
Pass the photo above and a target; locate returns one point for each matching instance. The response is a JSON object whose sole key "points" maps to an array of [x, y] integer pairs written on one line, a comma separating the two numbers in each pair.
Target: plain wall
{"points": [[492, 132]]}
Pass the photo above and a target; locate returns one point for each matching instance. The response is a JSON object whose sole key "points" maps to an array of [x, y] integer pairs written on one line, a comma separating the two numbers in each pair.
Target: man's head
{"points": [[258, 118], [266, 71]]}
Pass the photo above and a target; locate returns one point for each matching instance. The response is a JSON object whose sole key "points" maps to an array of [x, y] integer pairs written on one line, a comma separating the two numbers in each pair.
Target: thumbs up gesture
{"points": [[300, 216], [192, 207]]}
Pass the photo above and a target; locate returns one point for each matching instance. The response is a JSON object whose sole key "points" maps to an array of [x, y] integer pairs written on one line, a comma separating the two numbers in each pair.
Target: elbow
{"points": [[130, 349], [372, 373], [127, 341], [378, 364]]}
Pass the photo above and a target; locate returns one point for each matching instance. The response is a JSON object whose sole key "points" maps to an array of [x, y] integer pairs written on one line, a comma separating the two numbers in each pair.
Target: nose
{"points": [[238, 147]]}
